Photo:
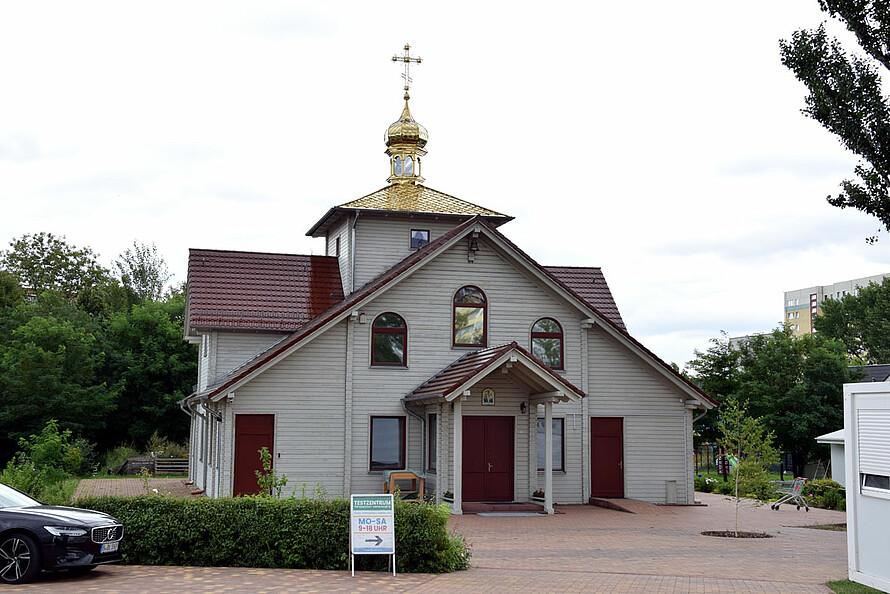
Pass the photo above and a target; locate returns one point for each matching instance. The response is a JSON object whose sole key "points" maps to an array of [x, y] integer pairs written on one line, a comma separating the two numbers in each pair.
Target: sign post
{"points": [[372, 528]]}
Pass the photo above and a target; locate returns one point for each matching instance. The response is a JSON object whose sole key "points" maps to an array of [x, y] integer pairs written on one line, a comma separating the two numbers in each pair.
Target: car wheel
{"points": [[19, 559]]}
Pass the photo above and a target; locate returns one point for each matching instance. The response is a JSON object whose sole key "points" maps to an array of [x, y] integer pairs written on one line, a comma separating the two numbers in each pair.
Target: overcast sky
{"points": [[662, 141]]}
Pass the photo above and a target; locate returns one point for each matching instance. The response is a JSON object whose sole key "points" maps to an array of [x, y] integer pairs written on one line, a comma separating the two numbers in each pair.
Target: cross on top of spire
{"points": [[407, 60]]}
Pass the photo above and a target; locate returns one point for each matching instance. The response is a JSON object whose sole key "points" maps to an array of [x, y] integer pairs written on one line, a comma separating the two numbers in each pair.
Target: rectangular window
{"points": [[387, 443], [419, 238], [337, 247], [558, 441], [432, 431]]}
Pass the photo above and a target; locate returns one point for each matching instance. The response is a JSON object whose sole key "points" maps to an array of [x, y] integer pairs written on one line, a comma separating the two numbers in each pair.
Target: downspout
{"points": [[352, 253], [422, 438]]}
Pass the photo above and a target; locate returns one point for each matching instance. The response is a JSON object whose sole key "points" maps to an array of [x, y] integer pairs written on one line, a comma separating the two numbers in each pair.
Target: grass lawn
{"points": [[773, 476], [848, 587], [831, 527]]}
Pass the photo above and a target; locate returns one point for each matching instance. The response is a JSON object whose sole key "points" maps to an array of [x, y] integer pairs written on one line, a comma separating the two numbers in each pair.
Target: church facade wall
{"points": [[383, 242], [305, 392]]}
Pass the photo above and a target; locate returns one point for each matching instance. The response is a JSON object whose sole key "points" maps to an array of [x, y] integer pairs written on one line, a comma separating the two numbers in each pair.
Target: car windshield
{"points": [[9, 497]]}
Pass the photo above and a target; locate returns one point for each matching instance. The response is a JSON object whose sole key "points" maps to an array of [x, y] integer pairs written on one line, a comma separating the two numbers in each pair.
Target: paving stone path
{"points": [[584, 549]]}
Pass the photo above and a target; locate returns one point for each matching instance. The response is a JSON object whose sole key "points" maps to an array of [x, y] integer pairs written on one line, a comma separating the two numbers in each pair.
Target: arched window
{"points": [[397, 166], [389, 340], [409, 166], [547, 342], [469, 317]]}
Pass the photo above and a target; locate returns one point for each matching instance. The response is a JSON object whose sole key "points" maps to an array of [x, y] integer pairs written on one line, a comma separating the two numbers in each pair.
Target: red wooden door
{"points": [[487, 459], [252, 432], [606, 457]]}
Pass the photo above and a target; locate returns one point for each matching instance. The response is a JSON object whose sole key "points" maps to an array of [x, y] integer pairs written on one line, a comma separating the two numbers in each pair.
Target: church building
{"points": [[424, 339]]}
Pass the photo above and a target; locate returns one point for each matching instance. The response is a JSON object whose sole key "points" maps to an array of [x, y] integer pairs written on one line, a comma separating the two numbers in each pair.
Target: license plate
{"points": [[109, 547]]}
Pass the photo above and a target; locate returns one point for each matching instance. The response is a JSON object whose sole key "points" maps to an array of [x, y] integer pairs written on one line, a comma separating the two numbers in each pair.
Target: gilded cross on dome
{"points": [[407, 60]]}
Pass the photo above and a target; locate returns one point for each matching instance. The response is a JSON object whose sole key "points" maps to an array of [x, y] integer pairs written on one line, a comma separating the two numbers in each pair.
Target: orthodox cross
{"points": [[407, 59]]}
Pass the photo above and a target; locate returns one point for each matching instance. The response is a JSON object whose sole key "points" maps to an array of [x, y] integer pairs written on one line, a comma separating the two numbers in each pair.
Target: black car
{"points": [[34, 537]]}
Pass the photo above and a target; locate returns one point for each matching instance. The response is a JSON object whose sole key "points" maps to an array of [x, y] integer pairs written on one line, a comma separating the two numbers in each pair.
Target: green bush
{"points": [[114, 457], [825, 493], [268, 532], [44, 484]]}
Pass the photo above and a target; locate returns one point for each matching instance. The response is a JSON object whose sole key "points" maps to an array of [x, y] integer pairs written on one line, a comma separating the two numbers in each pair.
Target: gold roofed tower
{"points": [[405, 138]]}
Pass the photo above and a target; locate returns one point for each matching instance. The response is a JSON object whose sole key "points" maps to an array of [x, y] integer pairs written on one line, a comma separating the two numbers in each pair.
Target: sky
{"points": [[661, 141]]}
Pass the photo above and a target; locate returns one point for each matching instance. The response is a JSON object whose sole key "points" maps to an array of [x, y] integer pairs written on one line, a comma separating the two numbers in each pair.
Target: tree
{"points": [[155, 367], [748, 441], [143, 270], [10, 293], [44, 262], [861, 322], [716, 371], [845, 96], [794, 384], [51, 357]]}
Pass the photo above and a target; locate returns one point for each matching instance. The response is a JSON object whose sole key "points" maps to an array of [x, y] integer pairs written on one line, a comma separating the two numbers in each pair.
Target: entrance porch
{"points": [[486, 407]]}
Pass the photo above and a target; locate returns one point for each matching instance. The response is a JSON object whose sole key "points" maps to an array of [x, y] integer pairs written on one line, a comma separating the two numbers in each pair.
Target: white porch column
{"points": [[548, 457], [441, 465], [585, 413], [347, 410], [457, 461], [532, 423]]}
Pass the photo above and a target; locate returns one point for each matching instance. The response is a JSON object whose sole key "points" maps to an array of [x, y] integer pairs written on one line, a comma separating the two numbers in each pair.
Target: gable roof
{"points": [[449, 382], [589, 284], [411, 263], [873, 373], [259, 291], [408, 198]]}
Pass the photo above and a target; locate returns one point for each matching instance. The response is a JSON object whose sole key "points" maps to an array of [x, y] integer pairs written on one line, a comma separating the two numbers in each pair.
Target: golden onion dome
{"points": [[406, 130]]}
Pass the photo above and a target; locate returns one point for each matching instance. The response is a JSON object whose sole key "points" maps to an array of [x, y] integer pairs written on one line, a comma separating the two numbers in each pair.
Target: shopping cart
{"points": [[791, 491]]}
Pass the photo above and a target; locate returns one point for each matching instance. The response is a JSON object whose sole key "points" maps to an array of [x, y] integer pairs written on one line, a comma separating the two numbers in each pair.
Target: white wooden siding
{"points": [[425, 302], [306, 393], [234, 349], [343, 231], [656, 431], [382, 242]]}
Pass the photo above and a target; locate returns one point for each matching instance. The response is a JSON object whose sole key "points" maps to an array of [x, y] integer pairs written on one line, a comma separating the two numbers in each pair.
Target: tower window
{"points": [[547, 342], [397, 166], [419, 238], [389, 341], [409, 166], [469, 317]]}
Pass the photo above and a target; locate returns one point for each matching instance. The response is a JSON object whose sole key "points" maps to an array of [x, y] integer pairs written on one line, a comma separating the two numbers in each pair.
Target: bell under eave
{"points": [[405, 140]]}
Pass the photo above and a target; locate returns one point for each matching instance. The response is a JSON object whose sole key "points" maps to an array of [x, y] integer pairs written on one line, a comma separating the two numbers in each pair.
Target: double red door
{"points": [[252, 433], [487, 459], [606, 457]]}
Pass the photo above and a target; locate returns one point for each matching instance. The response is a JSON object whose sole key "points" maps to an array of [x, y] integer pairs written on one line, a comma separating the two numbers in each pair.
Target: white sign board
{"points": [[372, 526]]}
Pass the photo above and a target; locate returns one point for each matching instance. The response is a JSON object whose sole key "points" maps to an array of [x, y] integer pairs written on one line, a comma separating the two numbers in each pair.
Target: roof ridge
{"points": [[217, 251]]}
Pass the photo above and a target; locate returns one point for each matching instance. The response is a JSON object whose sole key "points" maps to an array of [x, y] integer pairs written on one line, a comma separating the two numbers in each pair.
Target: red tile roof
{"points": [[343, 306], [258, 291], [589, 284], [462, 370]]}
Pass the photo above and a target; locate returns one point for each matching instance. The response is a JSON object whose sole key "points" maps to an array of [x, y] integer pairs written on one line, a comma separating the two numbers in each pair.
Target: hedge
{"points": [[277, 533]]}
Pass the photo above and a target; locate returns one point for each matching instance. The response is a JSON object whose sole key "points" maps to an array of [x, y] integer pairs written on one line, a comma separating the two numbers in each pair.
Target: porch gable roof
{"points": [[471, 367]]}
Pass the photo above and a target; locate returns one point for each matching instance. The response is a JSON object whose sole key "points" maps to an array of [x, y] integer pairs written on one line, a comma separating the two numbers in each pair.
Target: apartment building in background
{"points": [[803, 305]]}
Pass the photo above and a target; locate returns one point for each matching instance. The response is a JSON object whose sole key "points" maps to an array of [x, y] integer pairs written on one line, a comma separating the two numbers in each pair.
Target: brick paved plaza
{"points": [[584, 549]]}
